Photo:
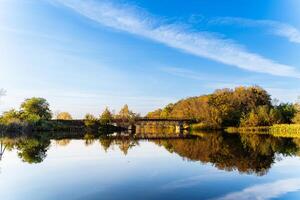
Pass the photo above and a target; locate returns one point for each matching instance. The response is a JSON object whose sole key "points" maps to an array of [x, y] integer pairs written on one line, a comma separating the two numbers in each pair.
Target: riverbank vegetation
{"points": [[35, 115], [242, 107]]}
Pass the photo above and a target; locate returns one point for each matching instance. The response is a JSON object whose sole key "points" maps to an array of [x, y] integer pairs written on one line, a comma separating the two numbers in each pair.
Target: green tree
{"points": [[10, 116], [32, 150], [36, 108], [287, 112], [106, 117]]}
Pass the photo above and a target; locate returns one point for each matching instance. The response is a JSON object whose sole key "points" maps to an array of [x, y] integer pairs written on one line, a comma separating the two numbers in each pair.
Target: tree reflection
{"points": [[63, 142], [89, 139], [32, 150], [123, 142], [245, 153]]}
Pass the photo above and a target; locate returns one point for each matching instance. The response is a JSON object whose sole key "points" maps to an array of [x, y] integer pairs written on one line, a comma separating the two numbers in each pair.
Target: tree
{"points": [[224, 107], [106, 117], [257, 117], [10, 116], [90, 121], [64, 116], [287, 112], [167, 111], [126, 114], [36, 108]]}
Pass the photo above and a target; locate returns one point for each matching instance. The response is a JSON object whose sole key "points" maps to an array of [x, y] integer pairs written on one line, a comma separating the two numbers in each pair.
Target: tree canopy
{"points": [[64, 116], [231, 107], [106, 117], [36, 108]]}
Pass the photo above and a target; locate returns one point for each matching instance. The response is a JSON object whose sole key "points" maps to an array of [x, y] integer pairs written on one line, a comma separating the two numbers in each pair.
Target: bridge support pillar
{"points": [[179, 128]]}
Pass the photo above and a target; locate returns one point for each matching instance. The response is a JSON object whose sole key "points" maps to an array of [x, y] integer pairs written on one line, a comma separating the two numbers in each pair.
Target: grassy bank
{"points": [[204, 127], [279, 130]]}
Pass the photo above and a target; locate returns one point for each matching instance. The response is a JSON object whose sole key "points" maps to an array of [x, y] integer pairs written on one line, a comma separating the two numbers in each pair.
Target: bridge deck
{"points": [[142, 119]]}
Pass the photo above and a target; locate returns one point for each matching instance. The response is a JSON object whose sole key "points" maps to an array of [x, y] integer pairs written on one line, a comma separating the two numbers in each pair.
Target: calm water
{"points": [[209, 166]]}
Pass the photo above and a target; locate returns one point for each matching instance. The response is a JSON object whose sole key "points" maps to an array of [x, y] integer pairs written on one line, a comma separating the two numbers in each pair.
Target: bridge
{"points": [[146, 119], [140, 123], [136, 120]]}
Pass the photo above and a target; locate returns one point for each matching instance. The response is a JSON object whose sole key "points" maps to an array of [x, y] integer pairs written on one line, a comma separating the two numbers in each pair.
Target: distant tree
{"points": [[36, 108], [90, 120], [126, 114], [10, 116], [64, 116], [106, 117]]}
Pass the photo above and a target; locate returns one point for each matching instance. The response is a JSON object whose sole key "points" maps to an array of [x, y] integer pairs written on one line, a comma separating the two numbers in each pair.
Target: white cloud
{"points": [[184, 73], [274, 27], [134, 21], [265, 191]]}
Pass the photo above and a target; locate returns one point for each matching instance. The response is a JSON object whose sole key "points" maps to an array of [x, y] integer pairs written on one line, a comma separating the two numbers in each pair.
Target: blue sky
{"points": [[83, 55]]}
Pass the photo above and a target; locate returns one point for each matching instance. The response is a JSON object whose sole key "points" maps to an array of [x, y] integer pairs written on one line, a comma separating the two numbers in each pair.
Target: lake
{"points": [[206, 166]]}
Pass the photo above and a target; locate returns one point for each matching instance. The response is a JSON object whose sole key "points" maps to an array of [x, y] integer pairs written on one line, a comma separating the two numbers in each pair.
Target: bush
{"points": [[257, 117], [90, 121]]}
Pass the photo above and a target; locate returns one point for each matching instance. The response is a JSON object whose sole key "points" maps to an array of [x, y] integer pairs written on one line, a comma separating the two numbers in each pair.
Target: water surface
{"points": [[209, 166]]}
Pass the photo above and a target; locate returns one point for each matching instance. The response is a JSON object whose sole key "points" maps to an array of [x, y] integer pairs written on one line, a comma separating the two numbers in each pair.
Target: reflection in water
{"points": [[123, 142], [247, 153], [63, 142]]}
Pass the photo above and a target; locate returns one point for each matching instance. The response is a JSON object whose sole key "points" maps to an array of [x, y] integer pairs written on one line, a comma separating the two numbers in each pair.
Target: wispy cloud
{"points": [[274, 27], [134, 21], [265, 191], [184, 73]]}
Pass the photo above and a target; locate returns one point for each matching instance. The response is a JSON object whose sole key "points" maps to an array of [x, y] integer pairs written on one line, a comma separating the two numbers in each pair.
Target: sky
{"points": [[84, 55]]}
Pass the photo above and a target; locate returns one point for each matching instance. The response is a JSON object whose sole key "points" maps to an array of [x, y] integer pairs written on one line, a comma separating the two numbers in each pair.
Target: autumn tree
{"points": [[106, 117], [90, 120], [126, 114], [64, 116], [224, 107]]}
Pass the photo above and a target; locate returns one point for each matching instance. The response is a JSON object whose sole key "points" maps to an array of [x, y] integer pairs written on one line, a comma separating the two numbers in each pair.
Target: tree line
{"points": [[35, 113], [241, 106], [238, 107]]}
